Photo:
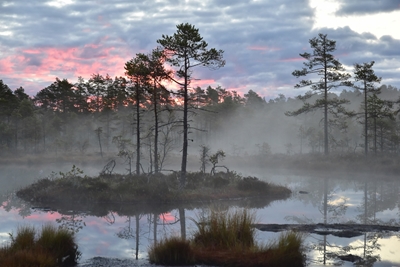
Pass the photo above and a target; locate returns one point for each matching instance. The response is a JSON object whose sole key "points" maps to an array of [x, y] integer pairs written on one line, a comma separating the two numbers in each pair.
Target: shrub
{"points": [[219, 182], [252, 184]]}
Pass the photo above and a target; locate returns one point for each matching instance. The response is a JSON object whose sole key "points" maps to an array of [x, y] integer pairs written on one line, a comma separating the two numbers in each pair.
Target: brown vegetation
{"points": [[72, 187], [52, 247], [227, 239]]}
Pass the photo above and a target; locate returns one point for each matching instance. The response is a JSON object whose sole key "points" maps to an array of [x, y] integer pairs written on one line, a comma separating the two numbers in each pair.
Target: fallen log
{"points": [[340, 230]]}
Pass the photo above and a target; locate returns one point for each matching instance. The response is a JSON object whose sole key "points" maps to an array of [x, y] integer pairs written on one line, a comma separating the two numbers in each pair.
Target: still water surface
{"points": [[124, 231]]}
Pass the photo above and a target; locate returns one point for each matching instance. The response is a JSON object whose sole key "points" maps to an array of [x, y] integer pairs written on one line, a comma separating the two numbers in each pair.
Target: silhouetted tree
{"points": [[185, 50], [61, 96], [160, 95], [138, 72], [364, 74], [8, 102], [378, 109], [253, 100], [322, 63]]}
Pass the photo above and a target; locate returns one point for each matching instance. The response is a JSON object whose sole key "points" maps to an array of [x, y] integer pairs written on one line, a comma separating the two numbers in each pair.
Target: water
{"points": [[122, 231]]}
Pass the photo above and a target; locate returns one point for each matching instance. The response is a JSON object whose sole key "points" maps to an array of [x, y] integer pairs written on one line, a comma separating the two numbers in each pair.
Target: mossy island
{"points": [[74, 187]]}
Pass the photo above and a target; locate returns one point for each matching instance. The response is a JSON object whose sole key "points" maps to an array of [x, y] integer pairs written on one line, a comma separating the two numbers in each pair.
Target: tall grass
{"points": [[286, 251], [172, 251], [48, 248], [24, 239], [228, 239], [226, 230]]}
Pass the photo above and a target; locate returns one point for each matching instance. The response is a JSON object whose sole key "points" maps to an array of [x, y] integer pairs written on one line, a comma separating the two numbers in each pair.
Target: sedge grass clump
{"points": [[228, 239], [24, 239], [49, 248], [226, 230], [286, 251], [59, 242], [172, 251]]}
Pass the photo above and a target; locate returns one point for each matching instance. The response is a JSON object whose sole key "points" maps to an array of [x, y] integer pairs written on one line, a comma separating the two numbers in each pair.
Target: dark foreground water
{"points": [[124, 232]]}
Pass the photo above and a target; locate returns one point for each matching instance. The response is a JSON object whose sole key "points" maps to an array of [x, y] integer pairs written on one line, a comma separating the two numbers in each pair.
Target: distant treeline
{"points": [[100, 114]]}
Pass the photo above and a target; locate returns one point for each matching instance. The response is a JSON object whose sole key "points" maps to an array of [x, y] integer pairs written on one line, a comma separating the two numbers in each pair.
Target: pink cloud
{"points": [[202, 83], [33, 66], [263, 48], [167, 217], [46, 216], [292, 59], [194, 83], [241, 90], [6, 65]]}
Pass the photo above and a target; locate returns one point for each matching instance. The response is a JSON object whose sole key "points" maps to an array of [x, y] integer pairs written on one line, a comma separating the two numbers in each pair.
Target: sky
{"points": [[262, 39]]}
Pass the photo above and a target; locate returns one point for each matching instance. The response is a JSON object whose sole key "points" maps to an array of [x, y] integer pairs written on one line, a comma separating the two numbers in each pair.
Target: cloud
{"points": [[367, 7], [261, 40]]}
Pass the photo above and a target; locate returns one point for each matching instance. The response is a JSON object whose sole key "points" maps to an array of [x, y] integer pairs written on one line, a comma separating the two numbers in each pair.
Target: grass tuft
{"points": [[172, 251], [49, 248], [226, 230], [59, 242], [227, 239], [24, 239]]}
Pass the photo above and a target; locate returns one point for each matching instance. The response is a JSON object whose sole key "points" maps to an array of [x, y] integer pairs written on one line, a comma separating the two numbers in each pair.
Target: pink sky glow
{"points": [[263, 48], [43, 65]]}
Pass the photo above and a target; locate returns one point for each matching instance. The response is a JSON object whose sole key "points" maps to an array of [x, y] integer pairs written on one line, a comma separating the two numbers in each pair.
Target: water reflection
{"points": [[126, 231], [333, 205]]}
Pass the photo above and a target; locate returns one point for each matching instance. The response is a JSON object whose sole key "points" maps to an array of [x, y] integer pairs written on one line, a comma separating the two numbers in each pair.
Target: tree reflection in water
{"points": [[333, 208], [141, 226], [72, 220]]}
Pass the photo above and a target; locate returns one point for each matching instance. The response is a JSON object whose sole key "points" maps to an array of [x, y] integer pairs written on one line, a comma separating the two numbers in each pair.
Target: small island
{"points": [[75, 188]]}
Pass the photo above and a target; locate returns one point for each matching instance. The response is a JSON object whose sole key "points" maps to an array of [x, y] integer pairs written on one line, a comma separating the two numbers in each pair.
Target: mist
{"points": [[258, 140]]}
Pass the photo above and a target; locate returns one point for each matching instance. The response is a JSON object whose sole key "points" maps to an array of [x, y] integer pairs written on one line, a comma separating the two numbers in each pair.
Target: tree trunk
{"points": [[137, 236], [375, 135], [99, 131], [182, 221], [326, 147], [185, 129], [365, 118], [137, 130], [155, 227], [156, 170]]}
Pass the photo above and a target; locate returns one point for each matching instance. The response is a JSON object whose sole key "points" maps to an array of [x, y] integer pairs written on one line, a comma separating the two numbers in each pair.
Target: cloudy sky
{"points": [[41, 40]]}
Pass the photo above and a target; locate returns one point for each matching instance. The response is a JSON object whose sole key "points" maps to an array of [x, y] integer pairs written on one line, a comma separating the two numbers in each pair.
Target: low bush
{"points": [[252, 184]]}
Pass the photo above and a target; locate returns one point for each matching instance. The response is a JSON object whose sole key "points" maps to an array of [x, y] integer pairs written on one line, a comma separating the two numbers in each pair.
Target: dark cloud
{"points": [[261, 39], [367, 7]]}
